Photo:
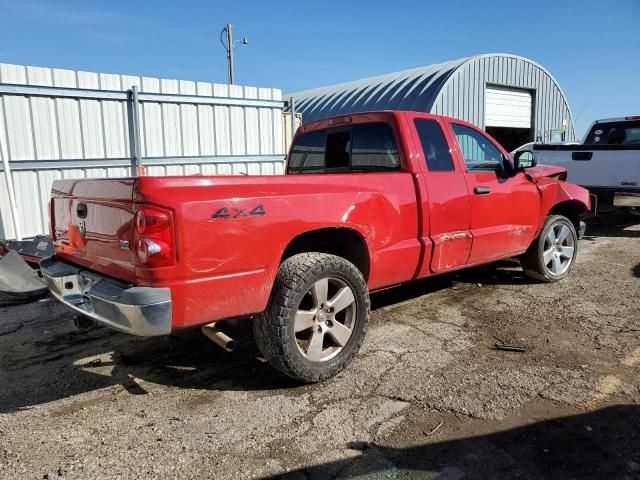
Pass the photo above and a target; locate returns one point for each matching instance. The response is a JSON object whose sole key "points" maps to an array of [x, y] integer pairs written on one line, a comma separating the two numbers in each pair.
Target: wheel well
{"points": [[343, 242], [570, 209]]}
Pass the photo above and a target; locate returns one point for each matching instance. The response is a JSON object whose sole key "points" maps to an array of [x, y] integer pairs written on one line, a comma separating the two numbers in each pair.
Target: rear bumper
{"points": [[143, 311], [626, 199], [615, 196]]}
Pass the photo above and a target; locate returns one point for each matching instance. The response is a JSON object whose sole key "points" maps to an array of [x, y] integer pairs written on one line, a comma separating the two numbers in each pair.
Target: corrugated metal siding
{"points": [[48, 137], [466, 89], [455, 89]]}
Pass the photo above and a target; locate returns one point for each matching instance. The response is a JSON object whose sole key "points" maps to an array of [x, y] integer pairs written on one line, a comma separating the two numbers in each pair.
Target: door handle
{"points": [[581, 155], [482, 190]]}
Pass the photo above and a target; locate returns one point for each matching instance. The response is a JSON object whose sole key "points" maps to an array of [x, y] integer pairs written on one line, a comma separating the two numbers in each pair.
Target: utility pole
{"points": [[229, 30], [229, 46]]}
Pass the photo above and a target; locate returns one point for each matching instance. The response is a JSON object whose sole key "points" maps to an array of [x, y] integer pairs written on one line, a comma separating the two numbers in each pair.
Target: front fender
{"points": [[556, 194], [577, 194]]}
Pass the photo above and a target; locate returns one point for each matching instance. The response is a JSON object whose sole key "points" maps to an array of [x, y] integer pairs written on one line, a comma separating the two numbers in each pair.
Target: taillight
{"points": [[154, 241]]}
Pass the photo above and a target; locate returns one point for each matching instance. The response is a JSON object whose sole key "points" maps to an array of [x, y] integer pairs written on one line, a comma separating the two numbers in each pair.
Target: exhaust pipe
{"points": [[225, 342]]}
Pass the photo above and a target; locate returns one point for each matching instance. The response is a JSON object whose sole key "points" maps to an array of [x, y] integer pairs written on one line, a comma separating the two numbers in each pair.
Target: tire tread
{"points": [[271, 328]]}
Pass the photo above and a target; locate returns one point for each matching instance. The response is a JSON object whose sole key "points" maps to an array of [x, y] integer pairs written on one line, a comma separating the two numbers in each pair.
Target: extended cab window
{"points": [[614, 133], [434, 145], [478, 151], [361, 148]]}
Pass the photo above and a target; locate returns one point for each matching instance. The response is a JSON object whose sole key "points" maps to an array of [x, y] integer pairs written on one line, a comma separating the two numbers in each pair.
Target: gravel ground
{"points": [[428, 396]]}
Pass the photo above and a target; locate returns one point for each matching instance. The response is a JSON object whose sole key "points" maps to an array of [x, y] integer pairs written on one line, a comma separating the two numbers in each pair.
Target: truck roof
{"points": [[370, 116], [618, 119]]}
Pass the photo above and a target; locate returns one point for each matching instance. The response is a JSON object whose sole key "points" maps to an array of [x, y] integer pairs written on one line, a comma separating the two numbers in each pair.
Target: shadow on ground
{"points": [[67, 362], [47, 359], [597, 445], [504, 272], [613, 224]]}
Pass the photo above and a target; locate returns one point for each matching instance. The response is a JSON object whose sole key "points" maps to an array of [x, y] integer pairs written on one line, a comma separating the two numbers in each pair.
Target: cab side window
{"points": [[436, 150], [479, 153]]}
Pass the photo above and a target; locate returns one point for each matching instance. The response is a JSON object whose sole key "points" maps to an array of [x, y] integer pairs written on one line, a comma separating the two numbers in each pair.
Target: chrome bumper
{"points": [[626, 199], [142, 311]]}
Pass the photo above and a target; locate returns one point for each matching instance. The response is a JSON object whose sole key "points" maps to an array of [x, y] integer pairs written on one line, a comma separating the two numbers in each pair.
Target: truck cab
{"points": [[469, 194]]}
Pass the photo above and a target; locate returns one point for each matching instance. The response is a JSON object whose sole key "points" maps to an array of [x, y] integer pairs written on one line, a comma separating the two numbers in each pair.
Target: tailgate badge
{"points": [[82, 228], [124, 244]]}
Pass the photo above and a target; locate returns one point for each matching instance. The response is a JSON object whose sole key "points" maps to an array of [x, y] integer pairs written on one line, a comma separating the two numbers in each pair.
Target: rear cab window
{"points": [[369, 147], [614, 133]]}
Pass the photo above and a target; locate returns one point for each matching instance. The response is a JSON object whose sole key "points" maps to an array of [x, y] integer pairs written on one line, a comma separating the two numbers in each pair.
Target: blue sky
{"points": [[591, 47]]}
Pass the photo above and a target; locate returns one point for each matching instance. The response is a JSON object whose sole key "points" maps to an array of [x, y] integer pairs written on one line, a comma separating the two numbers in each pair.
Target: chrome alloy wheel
{"points": [[325, 319], [559, 249]]}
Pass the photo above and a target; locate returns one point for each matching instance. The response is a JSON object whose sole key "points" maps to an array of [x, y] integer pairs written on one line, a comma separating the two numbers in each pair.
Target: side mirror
{"points": [[524, 159]]}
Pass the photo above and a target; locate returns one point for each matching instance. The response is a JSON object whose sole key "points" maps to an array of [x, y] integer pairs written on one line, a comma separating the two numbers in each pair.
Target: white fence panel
{"points": [[63, 124]]}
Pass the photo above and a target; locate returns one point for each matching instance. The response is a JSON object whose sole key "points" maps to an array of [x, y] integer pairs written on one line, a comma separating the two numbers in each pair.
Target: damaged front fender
{"points": [[562, 198]]}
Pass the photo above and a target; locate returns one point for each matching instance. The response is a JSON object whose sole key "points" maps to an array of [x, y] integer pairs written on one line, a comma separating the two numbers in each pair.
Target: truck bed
{"points": [[246, 222]]}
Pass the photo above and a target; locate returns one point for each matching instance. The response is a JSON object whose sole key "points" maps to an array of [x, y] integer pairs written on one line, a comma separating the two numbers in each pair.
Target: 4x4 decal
{"points": [[233, 212]]}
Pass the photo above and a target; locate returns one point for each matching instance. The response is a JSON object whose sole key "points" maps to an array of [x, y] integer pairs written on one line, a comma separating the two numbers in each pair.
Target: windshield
{"points": [[614, 133]]}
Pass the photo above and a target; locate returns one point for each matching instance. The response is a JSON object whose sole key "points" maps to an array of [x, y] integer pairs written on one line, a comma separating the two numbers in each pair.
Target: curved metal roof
{"points": [[413, 89], [454, 88]]}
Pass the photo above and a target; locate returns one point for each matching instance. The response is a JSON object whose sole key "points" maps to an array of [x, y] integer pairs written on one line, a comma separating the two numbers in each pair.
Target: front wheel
{"points": [[316, 318], [551, 255]]}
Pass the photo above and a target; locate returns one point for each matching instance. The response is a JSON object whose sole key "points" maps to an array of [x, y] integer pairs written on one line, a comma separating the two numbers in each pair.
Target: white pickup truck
{"points": [[607, 162]]}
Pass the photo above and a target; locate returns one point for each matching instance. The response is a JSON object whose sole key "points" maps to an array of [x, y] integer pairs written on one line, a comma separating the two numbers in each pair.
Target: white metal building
{"points": [[513, 98], [70, 124]]}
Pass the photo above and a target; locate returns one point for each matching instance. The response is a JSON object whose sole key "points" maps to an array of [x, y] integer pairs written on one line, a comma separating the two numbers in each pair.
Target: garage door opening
{"points": [[508, 114], [510, 138]]}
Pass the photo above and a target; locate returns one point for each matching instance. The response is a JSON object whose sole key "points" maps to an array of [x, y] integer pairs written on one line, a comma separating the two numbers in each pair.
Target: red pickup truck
{"points": [[368, 201]]}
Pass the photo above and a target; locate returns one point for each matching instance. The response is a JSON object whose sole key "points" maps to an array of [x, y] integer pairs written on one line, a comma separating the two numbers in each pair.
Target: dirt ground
{"points": [[428, 396]]}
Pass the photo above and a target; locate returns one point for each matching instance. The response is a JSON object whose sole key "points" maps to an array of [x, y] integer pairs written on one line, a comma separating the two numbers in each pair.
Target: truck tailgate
{"points": [[92, 224], [607, 166]]}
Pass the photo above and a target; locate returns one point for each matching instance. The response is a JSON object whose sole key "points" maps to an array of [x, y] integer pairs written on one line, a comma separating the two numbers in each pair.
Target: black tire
{"points": [[532, 260], [274, 328]]}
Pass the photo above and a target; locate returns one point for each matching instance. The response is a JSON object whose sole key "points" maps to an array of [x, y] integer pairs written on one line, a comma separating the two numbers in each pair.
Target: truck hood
{"points": [[544, 171]]}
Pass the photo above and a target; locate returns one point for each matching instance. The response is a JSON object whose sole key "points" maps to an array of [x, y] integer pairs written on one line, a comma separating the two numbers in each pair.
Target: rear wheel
{"points": [[551, 255], [316, 318]]}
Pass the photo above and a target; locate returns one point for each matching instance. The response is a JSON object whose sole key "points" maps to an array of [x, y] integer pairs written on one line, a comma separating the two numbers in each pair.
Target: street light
{"points": [[229, 46]]}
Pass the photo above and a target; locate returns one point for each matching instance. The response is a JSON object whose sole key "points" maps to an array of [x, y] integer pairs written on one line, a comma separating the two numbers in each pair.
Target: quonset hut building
{"points": [[514, 99]]}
